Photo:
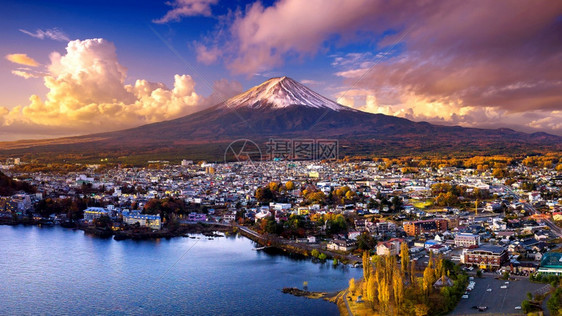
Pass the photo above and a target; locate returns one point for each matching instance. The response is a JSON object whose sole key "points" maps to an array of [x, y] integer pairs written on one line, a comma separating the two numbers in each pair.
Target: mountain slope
{"points": [[283, 108]]}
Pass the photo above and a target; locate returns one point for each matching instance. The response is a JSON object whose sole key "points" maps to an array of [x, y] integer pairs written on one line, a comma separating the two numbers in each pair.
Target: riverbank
{"points": [[208, 229], [292, 247], [337, 298]]}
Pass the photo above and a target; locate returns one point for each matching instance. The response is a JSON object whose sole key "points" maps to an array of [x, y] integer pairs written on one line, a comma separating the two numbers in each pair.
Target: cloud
{"points": [[206, 55], [87, 94], [504, 56], [54, 34], [22, 59], [183, 8], [25, 74]]}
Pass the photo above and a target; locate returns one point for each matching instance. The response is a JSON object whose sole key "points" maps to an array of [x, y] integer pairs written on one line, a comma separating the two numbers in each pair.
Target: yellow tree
{"points": [[366, 265], [289, 185], [404, 257], [398, 287], [370, 291], [384, 294], [421, 309], [352, 286], [413, 275], [428, 279]]}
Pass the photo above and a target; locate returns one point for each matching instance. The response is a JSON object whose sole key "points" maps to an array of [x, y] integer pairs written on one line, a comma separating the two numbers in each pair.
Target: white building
{"points": [[144, 220], [467, 240]]}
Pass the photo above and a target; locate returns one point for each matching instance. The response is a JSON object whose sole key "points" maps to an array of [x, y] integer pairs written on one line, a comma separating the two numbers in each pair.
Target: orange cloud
{"points": [[88, 94], [22, 59]]}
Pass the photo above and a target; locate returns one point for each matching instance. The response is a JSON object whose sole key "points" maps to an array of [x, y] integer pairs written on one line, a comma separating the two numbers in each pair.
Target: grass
{"points": [[423, 205]]}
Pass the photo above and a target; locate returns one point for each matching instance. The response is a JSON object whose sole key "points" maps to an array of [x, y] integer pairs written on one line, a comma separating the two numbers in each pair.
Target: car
{"points": [[506, 282], [482, 308], [465, 296], [488, 290], [517, 307], [503, 287]]}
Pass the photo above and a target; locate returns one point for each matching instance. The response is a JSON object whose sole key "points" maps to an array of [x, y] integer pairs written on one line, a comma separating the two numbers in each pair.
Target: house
{"points": [[341, 245], [144, 220], [353, 235], [443, 282], [388, 248]]}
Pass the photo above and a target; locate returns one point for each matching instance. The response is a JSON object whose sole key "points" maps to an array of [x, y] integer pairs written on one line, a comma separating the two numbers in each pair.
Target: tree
{"points": [[352, 285], [366, 265], [526, 306], [397, 204], [479, 273], [428, 279], [289, 185], [421, 309], [264, 195], [315, 253], [365, 241], [322, 256], [404, 257], [398, 286], [370, 289]]}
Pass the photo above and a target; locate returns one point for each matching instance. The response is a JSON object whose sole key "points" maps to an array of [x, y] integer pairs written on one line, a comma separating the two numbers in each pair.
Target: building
{"points": [[388, 248], [92, 213], [144, 220], [426, 226], [485, 257], [341, 245], [467, 240], [551, 263]]}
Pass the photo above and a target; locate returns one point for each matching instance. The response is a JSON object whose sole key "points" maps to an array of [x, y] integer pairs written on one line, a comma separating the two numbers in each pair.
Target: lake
{"points": [[57, 271]]}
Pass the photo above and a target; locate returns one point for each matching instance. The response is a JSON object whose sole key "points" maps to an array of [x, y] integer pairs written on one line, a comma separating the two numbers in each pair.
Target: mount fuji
{"points": [[284, 108]]}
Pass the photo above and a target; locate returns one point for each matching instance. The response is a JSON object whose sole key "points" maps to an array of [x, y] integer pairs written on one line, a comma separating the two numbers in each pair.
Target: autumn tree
{"points": [[289, 185], [398, 286], [404, 257], [366, 265], [352, 285]]}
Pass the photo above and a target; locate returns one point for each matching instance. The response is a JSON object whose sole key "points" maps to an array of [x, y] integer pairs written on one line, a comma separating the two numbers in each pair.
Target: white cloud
{"points": [[54, 34]]}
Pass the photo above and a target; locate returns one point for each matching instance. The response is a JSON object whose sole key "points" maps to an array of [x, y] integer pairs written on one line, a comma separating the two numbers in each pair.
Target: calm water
{"points": [[60, 271]]}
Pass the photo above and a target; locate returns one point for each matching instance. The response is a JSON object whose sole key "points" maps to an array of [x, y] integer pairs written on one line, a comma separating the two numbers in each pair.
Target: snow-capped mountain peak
{"points": [[282, 92]]}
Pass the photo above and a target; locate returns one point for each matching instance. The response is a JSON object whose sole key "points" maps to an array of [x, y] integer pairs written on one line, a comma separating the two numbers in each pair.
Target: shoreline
{"points": [[204, 228], [207, 229]]}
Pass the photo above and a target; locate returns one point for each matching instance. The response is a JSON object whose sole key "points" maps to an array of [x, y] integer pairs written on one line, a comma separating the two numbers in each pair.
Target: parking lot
{"points": [[488, 292]]}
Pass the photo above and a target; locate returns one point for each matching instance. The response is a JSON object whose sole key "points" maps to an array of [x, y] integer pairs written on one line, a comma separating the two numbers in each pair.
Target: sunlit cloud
{"points": [[87, 94], [53, 34], [184, 8], [22, 59], [25, 74]]}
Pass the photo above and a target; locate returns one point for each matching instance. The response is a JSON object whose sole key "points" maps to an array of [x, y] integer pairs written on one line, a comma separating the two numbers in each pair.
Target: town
{"points": [[494, 216]]}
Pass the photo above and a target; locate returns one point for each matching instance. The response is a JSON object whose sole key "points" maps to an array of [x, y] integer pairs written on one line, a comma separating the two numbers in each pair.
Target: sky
{"points": [[81, 67]]}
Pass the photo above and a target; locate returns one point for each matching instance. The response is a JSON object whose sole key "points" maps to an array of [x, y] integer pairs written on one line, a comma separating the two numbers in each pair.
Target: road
{"points": [[347, 303]]}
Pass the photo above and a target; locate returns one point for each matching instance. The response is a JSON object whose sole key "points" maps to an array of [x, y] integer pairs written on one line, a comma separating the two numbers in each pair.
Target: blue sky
{"points": [[452, 63]]}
